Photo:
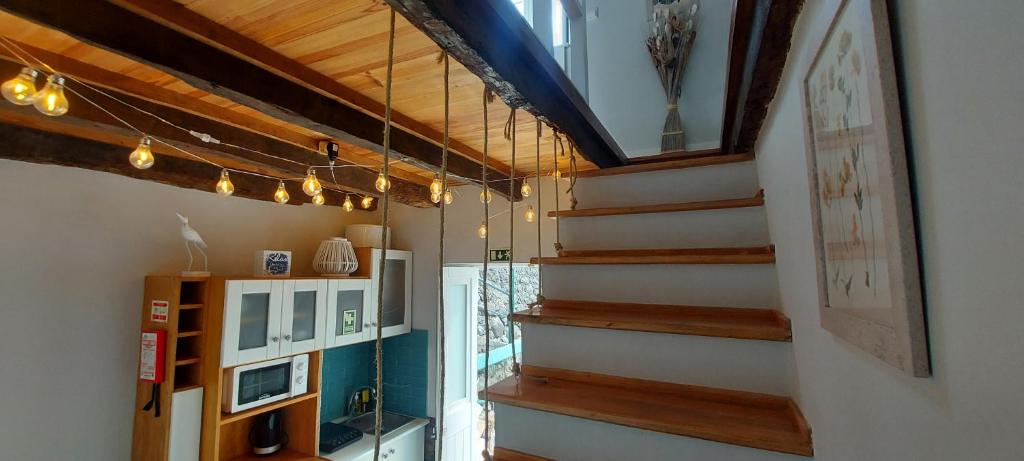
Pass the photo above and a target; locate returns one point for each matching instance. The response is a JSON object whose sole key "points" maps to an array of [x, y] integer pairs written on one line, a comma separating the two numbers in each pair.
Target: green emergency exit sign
{"points": [[501, 255]]}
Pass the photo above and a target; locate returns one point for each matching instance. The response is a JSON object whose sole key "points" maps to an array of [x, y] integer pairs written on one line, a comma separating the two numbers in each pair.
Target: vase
{"points": [[335, 257]]}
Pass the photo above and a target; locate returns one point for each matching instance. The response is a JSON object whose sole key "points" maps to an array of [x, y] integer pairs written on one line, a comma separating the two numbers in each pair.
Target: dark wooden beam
{"points": [[494, 42], [762, 34], [218, 72], [236, 147], [36, 146]]}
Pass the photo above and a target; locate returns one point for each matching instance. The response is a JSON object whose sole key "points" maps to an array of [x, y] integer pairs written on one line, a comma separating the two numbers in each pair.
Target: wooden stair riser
{"points": [[672, 165], [717, 228], [639, 209], [738, 180], [753, 285], [760, 366], [747, 255]]}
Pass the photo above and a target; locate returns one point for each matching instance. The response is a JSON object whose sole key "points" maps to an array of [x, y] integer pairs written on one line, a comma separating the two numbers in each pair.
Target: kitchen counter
{"points": [[363, 449]]}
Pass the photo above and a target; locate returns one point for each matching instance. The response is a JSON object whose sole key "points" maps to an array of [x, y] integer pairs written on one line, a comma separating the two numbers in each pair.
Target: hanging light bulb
{"points": [[318, 199], [485, 196], [142, 156], [311, 186], [367, 202], [382, 183], [530, 215], [448, 197], [347, 204], [482, 230], [19, 90], [557, 174], [435, 186], [526, 189], [436, 198], [281, 195], [224, 186], [51, 100]]}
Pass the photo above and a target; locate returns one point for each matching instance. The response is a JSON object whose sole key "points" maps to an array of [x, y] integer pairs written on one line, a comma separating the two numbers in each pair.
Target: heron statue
{"points": [[192, 238]]}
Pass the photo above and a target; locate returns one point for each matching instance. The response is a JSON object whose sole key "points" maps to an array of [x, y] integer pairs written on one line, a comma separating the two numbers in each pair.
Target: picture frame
{"points": [[862, 213]]}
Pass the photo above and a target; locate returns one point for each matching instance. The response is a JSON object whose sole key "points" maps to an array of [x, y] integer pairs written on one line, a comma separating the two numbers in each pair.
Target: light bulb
{"points": [[311, 186], [224, 186], [435, 186], [142, 156], [382, 183], [51, 100], [485, 196], [448, 197], [318, 199], [347, 204], [435, 197], [530, 214], [482, 230], [19, 90], [526, 189], [556, 174], [281, 195], [367, 202]]}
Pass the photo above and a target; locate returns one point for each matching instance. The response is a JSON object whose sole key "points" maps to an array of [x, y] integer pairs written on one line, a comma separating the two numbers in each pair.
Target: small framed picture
{"points": [[273, 263]]}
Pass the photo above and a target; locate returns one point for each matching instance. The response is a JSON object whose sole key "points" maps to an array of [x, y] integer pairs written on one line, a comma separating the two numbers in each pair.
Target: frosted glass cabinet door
{"points": [[348, 312], [252, 321], [397, 304], [303, 316]]}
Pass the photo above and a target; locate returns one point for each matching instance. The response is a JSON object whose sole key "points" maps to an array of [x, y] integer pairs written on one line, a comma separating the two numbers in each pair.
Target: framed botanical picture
{"points": [[865, 246]]}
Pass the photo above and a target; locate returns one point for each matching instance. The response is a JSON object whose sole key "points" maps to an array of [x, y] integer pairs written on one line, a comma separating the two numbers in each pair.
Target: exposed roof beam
{"points": [[50, 148], [182, 19], [224, 74]]}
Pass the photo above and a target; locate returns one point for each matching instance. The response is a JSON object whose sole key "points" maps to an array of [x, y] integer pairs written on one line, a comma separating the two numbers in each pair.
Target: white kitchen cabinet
{"points": [[266, 319], [349, 312], [397, 304], [404, 444], [406, 447]]}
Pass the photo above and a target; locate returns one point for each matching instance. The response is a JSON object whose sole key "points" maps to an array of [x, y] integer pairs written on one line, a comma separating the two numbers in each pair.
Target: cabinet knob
{"points": [[366, 325], [385, 456], [374, 323], [392, 451], [274, 339], [287, 337]]}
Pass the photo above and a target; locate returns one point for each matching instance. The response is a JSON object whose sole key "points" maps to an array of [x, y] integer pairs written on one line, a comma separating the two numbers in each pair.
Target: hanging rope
{"points": [[554, 176], [487, 330], [540, 256], [442, 361], [572, 174], [510, 130], [383, 242]]}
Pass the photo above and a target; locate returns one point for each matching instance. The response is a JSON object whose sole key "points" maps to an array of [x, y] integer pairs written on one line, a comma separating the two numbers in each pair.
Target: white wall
{"points": [[77, 245], [963, 107], [417, 229], [623, 86]]}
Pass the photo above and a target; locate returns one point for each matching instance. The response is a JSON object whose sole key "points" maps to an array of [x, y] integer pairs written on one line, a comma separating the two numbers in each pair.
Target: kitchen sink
{"points": [[390, 421]]}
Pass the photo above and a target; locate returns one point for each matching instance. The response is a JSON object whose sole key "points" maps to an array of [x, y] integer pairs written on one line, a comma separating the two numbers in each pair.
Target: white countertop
{"points": [[365, 444]]}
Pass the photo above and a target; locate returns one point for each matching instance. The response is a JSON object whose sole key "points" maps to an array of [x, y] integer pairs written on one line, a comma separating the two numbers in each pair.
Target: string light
{"points": [[142, 156], [347, 204], [318, 199], [19, 90], [526, 190], [367, 202], [382, 183], [435, 197], [486, 196], [51, 100], [281, 195], [311, 186], [436, 187], [482, 230], [557, 174], [224, 186], [448, 197], [530, 214]]}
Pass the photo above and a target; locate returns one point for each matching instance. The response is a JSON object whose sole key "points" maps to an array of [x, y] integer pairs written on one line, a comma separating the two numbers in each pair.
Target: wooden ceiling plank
{"points": [[188, 22]]}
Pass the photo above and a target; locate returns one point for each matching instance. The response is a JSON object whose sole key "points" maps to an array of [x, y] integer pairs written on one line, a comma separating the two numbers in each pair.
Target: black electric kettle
{"points": [[267, 434]]}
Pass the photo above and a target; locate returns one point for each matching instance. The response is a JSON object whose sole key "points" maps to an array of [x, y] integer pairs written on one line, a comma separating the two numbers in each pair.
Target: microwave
{"points": [[257, 384]]}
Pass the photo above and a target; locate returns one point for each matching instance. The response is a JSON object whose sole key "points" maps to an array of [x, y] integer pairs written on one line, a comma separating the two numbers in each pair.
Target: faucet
{"points": [[355, 401]]}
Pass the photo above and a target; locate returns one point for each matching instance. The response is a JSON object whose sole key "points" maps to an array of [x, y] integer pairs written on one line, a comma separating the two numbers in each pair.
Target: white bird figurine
{"points": [[192, 238]]}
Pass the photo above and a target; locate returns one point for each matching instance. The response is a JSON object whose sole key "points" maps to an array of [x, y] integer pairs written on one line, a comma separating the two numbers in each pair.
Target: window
{"points": [[525, 8]]}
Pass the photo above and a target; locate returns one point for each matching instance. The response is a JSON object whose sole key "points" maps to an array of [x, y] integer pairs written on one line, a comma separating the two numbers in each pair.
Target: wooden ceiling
{"points": [[342, 43]]}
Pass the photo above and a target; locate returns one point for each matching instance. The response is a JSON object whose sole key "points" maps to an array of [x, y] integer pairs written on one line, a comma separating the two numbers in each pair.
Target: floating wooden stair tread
{"points": [[745, 255], [723, 322], [757, 200], [504, 454], [669, 165], [740, 418]]}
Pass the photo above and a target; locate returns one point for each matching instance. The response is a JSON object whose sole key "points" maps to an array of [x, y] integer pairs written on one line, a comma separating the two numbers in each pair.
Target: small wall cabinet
{"points": [[266, 319], [397, 304], [349, 312]]}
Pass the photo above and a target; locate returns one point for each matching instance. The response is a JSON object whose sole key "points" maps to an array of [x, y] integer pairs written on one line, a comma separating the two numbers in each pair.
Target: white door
{"points": [[303, 316], [460, 407], [348, 311], [252, 321]]}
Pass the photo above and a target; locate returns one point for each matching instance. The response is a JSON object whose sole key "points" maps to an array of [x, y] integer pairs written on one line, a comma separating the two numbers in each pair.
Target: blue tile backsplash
{"points": [[348, 368]]}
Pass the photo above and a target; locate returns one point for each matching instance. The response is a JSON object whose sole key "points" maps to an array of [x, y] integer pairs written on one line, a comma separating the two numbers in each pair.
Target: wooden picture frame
{"points": [[865, 246]]}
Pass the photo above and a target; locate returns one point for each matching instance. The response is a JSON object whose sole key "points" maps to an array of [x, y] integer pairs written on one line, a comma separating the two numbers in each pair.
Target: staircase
{"points": [[657, 338]]}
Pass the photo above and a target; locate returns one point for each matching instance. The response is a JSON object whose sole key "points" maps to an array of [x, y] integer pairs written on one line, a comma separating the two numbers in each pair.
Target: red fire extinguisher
{"points": [[151, 365]]}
